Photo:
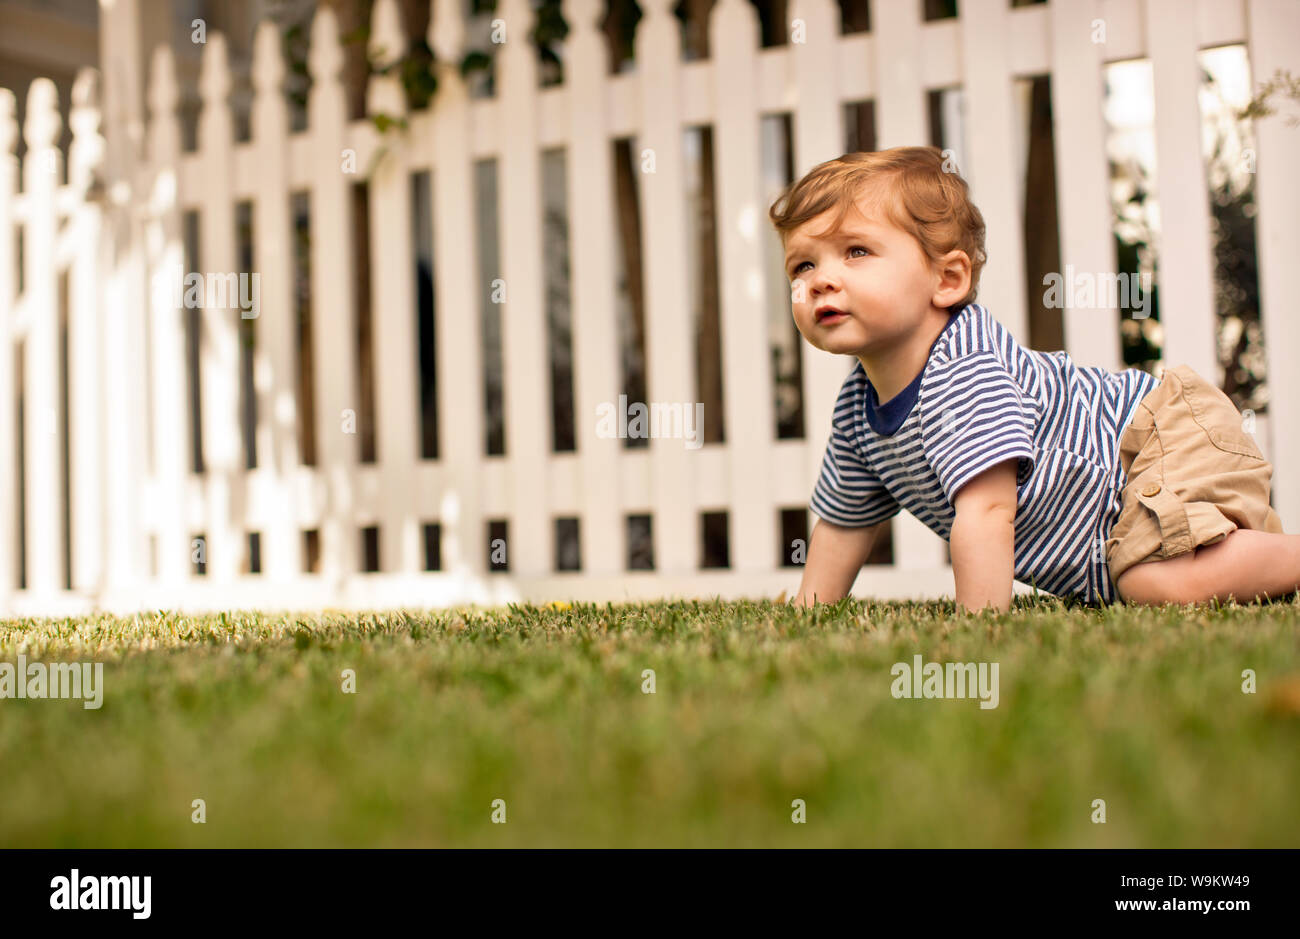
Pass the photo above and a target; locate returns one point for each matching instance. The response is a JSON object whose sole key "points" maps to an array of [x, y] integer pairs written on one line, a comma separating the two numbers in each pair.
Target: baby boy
{"points": [[1077, 480]]}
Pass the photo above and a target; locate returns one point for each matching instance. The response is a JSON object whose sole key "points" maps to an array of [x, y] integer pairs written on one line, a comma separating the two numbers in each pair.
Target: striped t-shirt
{"points": [[983, 398]]}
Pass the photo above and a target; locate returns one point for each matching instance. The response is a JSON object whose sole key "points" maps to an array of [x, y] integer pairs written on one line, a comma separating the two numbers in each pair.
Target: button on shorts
{"points": [[1193, 475]]}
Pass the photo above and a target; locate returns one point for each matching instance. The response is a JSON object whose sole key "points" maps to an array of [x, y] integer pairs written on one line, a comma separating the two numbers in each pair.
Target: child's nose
{"points": [[823, 279]]}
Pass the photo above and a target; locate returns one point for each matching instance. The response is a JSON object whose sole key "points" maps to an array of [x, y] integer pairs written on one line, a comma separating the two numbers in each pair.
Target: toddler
{"points": [[1079, 481]]}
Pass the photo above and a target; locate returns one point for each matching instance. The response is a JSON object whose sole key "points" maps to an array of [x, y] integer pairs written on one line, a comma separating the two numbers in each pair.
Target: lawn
{"points": [[755, 705]]}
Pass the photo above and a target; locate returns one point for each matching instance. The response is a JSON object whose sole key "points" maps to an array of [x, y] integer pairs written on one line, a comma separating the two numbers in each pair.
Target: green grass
{"points": [[755, 705]]}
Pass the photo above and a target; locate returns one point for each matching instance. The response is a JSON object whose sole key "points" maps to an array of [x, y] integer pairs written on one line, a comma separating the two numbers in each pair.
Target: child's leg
{"points": [[1246, 564]]}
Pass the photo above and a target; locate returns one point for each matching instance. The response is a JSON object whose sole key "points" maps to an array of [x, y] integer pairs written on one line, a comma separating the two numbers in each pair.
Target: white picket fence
{"points": [[135, 505]]}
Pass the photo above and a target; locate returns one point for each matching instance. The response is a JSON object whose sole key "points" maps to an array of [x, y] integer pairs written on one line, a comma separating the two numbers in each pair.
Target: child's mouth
{"points": [[828, 317]]}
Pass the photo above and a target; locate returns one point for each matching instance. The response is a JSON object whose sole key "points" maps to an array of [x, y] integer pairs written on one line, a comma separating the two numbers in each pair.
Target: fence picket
{"points": [[332, 284], [277, 327], [459, 336], [224, 479], [169, 383], [524, 337], [1273, 38], [8, 303], [85, 372], [668, 327], [1185, 252], [990, 116], [742, 225], [42, 433], [1083, 186], [595, 344], [396, 342]]}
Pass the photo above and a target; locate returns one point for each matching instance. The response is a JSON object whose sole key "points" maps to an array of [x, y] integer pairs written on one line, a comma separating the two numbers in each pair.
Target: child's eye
{"points": [[799, 266]]}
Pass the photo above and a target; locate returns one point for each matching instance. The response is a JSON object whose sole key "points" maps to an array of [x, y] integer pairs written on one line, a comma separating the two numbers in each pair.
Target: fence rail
{"points": [[101, 250]]}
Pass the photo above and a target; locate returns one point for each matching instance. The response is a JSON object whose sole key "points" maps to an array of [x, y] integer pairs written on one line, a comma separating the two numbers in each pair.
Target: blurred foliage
{"points": [[416, 65], [1140, 339], [1282, 82], [1231, 175]]}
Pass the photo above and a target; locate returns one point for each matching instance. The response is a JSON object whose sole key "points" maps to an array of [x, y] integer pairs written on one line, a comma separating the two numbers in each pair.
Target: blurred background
{"points": [[476, 224]]}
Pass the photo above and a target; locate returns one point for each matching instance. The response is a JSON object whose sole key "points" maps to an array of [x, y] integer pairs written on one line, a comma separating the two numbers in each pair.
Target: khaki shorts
{"points": [[1193, 475]]}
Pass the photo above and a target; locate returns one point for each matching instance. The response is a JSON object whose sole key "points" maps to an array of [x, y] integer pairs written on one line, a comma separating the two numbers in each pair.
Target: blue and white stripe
{"points": [[1002, 401]]}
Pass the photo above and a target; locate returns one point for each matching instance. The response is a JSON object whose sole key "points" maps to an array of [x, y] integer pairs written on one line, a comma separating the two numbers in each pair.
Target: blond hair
{"points": [[910, 185]]}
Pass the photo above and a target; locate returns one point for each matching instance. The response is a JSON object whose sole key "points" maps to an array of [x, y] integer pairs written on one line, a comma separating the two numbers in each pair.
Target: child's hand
{"points": [[835, 555]]}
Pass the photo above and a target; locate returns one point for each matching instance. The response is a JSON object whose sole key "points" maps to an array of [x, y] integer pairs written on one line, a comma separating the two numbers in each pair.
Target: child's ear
{"points": [[953, 271]]}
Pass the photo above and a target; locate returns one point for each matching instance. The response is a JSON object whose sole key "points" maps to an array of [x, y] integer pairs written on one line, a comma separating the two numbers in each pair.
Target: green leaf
{"points": [[474, 61]]}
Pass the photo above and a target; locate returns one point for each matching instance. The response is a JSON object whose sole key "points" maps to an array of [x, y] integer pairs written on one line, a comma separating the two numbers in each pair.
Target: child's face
{"points": [[875, 274]]}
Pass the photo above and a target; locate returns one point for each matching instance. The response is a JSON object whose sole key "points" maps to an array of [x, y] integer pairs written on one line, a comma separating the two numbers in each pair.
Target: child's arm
{"points": [[835, 555], [983, 541]]}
